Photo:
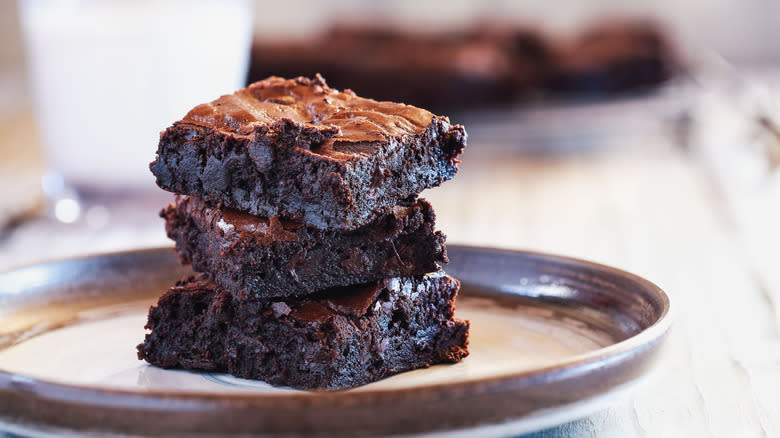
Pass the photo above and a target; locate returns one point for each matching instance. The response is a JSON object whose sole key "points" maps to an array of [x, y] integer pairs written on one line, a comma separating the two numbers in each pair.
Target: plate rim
{"points": [[621, 351], [653, 332]]}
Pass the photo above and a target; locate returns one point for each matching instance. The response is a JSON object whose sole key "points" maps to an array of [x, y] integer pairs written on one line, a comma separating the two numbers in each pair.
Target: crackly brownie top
{"points": [[334, 122]]}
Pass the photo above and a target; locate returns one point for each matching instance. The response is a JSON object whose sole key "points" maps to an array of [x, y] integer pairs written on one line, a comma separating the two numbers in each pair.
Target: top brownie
{"points": [[299, 149]]}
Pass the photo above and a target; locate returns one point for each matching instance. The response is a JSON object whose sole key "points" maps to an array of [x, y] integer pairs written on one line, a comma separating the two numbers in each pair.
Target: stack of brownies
{"points": [[319, 268]]}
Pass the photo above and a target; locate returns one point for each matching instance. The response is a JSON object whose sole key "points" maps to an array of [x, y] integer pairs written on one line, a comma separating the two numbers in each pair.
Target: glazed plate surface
{"points": [[552, 339]]}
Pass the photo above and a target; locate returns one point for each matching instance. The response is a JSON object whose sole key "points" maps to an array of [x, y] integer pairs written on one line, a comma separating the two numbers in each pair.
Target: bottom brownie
{"points": [[337, 339]]}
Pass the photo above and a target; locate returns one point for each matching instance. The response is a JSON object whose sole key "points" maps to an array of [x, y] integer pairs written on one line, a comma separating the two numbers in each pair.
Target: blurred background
{"points": [[85, 87], [742, 31], [643, 134]]}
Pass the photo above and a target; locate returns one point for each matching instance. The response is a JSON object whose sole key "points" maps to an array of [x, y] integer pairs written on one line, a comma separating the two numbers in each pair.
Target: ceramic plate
{"points": [[552, 339]]}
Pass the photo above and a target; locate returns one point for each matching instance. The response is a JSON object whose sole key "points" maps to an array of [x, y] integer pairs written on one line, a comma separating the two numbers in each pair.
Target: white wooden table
{"points": [[632, 199]]}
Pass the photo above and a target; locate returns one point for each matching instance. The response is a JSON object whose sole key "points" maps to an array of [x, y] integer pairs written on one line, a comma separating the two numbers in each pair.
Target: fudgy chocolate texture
{"points": [[256, 258], [299, 149], [347, 337]]}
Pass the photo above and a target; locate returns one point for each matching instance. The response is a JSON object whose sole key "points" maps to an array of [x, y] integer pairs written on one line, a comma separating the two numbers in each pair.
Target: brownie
{"points": [[485, 64], [613, 57], [481, 66], [256, 258], [340, 339], [298, 149]]}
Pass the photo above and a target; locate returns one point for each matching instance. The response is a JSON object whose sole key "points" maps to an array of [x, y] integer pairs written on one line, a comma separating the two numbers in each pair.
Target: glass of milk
{"points": [[108, 75]]}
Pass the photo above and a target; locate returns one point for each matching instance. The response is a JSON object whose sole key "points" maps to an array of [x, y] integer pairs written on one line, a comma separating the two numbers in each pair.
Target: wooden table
{"points": [[619, 191]]}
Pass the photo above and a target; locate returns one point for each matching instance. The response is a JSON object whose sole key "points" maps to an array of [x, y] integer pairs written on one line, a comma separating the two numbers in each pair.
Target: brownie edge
{"points": [[336, 340]]}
